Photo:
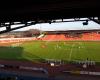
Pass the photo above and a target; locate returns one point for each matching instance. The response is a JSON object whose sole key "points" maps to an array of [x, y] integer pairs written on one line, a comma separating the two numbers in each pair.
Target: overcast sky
{"points": [[62, 26]]}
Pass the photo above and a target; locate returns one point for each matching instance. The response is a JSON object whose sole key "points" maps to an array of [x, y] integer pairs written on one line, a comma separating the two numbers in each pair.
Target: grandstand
{"points": [[85, 35], [21, 34]]}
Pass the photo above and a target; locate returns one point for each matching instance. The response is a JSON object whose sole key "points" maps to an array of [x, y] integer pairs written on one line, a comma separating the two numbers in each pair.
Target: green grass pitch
{"points": [[58, 50]]}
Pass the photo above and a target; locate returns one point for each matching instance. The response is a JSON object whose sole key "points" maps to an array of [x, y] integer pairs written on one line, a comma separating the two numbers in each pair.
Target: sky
{"points": [[62, 26]]}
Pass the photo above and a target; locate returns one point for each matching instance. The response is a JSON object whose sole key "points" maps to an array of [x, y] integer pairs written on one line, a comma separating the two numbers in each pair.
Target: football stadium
{"points": [[53, 53], [50, 40], [64, 47]]}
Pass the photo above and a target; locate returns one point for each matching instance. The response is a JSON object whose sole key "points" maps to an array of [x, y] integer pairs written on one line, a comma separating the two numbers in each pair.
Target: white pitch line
{"points": [[71, 52]]}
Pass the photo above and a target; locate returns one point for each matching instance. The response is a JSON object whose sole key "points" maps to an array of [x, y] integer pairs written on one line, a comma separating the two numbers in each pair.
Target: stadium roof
{"points": [[23, 10], [44, 11]]}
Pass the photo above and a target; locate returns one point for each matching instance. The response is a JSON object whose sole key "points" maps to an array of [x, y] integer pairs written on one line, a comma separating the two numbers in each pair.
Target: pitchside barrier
{"points": [[74, 62], [79, 62], [56, 62], [87, 62]]}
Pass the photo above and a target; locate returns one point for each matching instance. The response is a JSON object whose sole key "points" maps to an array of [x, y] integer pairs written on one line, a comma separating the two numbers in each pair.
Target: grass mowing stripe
{"points": [[71, 51]]}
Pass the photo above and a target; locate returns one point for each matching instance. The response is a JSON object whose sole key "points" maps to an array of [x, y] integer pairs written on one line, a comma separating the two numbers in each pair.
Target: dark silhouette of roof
{"points": [[25, 10]]}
